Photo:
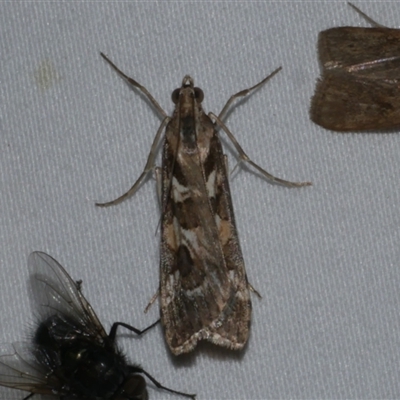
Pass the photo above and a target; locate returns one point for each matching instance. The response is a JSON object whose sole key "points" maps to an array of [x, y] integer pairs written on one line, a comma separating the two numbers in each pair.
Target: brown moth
{"points": [[359, 87], [204, 292]]}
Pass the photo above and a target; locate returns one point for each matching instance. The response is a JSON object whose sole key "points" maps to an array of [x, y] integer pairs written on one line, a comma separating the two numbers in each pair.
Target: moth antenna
{"points": [[365, 16]]}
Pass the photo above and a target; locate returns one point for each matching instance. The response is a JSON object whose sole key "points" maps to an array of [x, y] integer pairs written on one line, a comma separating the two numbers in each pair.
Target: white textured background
{"points": [[326, 258]]}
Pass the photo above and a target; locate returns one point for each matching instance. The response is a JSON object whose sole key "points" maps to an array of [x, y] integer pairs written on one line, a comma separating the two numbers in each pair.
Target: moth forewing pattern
{"points": [[71, 355], [203, 288], [204, 292]]}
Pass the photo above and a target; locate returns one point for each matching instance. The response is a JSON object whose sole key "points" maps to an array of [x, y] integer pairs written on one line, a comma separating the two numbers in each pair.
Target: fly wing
{"points": [[19, 369], [57, 293], [198, 286]]}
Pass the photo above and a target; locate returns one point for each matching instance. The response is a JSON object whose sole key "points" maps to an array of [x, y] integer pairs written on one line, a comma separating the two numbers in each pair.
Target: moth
{"points": [[71, 356], [204, 291], [359, 86]]}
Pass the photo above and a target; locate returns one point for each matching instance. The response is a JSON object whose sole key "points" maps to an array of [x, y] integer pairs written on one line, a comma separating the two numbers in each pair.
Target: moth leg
{"points": [[137, 85], [150, 160], [152, 300], [255, 291], [226, 162], [148, 167], [113, 330], [230, 173], [159, 386], [29, 396], [244, 157], [245, 92], [158, 175], [365, 16]]}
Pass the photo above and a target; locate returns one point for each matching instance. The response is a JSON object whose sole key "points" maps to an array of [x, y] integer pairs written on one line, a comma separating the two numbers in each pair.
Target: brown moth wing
{"points": [[200, 297], [233, 325], [349, 46], [343, 102], [358, 89]]}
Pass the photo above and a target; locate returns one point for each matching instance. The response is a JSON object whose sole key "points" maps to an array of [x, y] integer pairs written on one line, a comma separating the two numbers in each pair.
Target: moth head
{"points": [[187, 82]]}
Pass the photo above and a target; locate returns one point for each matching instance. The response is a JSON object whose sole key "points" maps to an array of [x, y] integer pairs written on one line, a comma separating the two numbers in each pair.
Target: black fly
{"points": [[71, 356]]}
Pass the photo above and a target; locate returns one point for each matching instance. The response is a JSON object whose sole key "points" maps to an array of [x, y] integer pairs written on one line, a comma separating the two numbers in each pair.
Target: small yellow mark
{"points": [[46, 75]]}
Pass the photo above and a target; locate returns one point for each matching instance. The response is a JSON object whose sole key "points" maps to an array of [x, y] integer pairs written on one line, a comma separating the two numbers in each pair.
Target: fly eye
{"points": [[175, 96], [198, 94]]}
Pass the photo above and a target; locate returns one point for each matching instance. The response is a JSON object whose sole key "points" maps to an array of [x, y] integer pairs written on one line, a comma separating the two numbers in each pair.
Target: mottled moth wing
{"points": [[204, 288], [20, 370], [56, 293], [358, 89]]}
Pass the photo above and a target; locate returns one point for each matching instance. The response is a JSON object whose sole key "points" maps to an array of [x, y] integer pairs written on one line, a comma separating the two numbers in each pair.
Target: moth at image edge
{"points": [[358, 89]]}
